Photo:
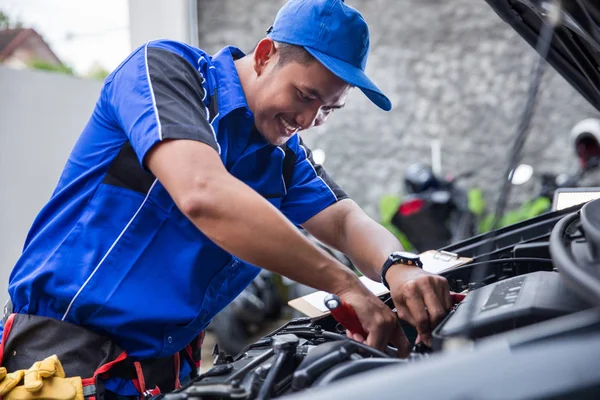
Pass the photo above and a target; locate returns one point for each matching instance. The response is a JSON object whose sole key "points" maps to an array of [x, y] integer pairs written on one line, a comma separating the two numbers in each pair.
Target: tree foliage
{"points": [[47, 66], [6, 22]]}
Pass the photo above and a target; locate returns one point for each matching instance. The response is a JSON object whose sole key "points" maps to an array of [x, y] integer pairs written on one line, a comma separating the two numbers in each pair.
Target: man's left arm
{"points": [[421, 298]]}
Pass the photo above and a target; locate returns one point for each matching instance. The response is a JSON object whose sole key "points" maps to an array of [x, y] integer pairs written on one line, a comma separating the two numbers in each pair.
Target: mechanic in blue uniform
{"points": [[189, 176]]}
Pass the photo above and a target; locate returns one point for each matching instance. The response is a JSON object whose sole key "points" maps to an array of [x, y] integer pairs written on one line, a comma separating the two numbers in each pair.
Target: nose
{"points": [[306, 119]]}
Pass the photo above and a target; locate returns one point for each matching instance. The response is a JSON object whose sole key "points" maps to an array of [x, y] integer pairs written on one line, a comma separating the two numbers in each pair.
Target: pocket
{"points": [[180, 335]]}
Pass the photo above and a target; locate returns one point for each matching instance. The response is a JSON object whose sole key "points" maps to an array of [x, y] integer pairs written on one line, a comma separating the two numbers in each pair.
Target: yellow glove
{"points": [[54, 388], [43, 369], [44, 380], [9, 381]]}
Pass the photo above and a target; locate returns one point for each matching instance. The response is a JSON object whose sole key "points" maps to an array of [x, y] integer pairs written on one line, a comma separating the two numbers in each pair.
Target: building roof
{"points": [[12, 39]]}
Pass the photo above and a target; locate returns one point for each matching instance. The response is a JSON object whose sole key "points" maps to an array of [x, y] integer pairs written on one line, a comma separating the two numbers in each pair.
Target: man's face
{"points": [[294, 97]]}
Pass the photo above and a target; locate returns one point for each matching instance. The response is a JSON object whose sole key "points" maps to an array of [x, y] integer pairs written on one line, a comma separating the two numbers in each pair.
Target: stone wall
{"points": [[453, 70]]}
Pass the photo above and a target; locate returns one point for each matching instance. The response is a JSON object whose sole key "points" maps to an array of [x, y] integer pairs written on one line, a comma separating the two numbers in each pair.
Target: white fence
{"points": [[41, 116]]}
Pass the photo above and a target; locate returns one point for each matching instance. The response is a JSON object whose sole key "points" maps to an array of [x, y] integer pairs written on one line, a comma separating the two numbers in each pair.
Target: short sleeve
{"points": [[155, 95]]}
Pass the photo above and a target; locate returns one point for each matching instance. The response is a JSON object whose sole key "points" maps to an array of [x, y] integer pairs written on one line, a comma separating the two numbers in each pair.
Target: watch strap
{"points": [[396, 258]]}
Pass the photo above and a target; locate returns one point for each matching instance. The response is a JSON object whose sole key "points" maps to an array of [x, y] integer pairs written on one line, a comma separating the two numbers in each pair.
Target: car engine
{"points": [[530, 292]]}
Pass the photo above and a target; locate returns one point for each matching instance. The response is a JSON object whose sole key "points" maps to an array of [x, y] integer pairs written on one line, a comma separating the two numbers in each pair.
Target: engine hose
{"points": [[242, 372], [583, 283], [337, 336], [354, 367], [265, 390], [304, 377]]}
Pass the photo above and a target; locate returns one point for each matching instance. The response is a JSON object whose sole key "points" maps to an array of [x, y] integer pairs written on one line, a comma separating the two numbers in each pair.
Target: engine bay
{"points": [[529, 304]]}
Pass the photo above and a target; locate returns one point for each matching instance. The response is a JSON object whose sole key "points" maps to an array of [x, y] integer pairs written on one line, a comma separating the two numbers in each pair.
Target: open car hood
{"points": [[575, 51]]}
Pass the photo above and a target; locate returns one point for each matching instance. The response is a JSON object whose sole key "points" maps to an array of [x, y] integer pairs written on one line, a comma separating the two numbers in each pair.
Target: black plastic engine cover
{"points": [[510, 304]]}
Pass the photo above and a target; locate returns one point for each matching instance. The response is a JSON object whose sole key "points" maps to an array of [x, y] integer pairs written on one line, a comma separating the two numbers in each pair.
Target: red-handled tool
{"points": [[344, 314], [457, 297]]}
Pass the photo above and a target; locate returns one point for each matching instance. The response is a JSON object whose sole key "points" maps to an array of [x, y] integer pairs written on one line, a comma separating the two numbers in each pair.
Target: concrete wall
{"points": [[162, 19], [41, 116], [453, 70]]}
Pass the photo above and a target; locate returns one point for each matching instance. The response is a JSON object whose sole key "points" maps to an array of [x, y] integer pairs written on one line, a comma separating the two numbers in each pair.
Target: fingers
{"points": [[404, 314], [398, 339], [355, 336], [379, 336], [378, 321], [435, 308], [358, 337], [443, 293], [33, 379], [376, 318], [383, 323], [420, 317], [423, 302]]}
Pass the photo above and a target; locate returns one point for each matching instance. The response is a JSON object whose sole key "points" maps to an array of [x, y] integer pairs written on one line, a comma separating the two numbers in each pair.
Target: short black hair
{"points": [[292, 53]]}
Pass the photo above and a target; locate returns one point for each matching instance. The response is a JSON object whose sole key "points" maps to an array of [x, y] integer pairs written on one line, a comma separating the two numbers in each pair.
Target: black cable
{"points": [[251, 365], [583, 283], [306, 375], [363, 346], [337, 336], [267, 386], [542, 48], [502, 261]]}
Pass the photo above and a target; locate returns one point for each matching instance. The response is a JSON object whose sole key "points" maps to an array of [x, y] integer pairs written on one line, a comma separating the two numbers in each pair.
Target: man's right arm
{"points": [[240, 221], [157, 97]]}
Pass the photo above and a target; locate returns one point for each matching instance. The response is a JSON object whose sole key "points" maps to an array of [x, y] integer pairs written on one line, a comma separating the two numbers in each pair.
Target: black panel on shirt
{"points": [[288, 165], [179, 94], [127, 172], [337, 191]]}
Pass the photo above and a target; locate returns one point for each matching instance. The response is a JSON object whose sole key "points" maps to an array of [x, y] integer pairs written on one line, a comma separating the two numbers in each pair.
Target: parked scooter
{"points": [[436, 211]]}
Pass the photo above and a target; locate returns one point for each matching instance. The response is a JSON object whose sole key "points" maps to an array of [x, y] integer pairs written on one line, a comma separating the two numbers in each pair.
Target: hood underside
{"points": [[575, 50]]}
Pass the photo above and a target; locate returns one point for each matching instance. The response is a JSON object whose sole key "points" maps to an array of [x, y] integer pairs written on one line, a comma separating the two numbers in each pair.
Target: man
{"points": [[189, 174]]}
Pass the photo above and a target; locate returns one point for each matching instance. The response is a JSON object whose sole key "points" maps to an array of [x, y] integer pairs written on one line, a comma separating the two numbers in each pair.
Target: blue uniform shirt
{"points": [[110, 250]]}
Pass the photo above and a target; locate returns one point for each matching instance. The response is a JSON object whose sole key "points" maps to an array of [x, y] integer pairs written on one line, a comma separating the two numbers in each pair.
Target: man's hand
{"points": [[377, 319], [422, 299]]}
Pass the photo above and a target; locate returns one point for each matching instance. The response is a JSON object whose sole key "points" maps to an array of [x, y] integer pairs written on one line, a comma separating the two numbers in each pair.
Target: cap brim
{"points": [[354, 76]]}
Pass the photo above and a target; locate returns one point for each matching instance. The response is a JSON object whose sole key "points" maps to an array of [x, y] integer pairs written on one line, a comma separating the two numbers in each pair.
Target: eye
{"points": [[303, 97]]}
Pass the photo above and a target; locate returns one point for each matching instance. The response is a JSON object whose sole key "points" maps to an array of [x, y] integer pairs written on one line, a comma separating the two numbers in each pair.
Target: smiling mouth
{"points": [[288, 129]]}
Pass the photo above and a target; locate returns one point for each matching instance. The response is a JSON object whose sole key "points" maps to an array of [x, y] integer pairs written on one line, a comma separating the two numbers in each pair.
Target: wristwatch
{"points": [[399, 257]]}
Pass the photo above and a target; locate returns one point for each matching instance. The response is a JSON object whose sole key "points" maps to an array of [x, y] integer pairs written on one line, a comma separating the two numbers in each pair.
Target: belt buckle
{"points": [[8, 309]]}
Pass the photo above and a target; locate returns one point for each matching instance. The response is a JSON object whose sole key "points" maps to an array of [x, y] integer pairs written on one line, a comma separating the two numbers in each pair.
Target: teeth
{"points": [[289, 128]]}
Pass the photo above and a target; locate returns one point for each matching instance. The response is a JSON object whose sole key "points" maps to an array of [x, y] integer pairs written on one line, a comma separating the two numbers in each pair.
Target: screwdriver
{"points": [[344, 314]]}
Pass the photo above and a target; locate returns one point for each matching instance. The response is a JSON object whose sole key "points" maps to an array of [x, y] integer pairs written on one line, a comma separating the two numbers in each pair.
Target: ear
{"points": [[264, 54]]}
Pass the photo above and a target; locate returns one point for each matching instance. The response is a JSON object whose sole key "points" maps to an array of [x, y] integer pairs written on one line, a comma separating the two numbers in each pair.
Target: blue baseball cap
{"points": [[333, 33]]}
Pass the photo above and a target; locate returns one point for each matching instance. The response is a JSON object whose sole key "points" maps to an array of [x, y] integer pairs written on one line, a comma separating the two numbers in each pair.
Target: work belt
{"points": [[29, 338]]}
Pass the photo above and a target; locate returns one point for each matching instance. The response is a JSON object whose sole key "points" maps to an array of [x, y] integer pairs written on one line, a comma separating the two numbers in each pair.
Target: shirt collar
{"points": [[230, 92]]}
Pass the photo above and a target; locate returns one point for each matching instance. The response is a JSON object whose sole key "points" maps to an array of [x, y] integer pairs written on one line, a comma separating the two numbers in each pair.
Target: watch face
{"points": [[406, 254]]}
